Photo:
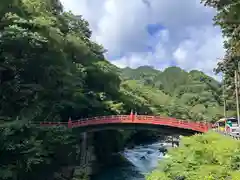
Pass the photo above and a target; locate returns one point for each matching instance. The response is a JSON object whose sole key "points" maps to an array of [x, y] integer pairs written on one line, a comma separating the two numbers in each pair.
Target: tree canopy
{"points": [[174, 92], [228, 18], [210, 156]]}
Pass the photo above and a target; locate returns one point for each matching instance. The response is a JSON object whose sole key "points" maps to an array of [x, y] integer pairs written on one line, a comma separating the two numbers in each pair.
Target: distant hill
{"points": [[175, 92]]}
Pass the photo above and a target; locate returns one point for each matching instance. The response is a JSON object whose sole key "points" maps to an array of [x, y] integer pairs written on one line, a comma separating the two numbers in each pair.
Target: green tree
{"points": [[228, 19], [210, 156], [47, 65]]}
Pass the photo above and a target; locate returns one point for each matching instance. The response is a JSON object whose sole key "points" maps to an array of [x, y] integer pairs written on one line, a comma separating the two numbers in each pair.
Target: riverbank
{"points": [[138, 161], [107, 154], [101, 155]]}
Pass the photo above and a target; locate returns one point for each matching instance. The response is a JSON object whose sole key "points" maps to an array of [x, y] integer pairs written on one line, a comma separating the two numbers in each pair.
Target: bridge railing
{"points": [[158, 120]]}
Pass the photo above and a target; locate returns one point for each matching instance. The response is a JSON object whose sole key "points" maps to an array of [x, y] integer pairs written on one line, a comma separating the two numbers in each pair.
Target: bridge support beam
{"points": [[86, 156], [83, 152]]}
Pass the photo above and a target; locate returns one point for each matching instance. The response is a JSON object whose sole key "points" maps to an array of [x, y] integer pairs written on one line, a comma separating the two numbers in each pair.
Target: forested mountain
{"points": [[175, 92]]}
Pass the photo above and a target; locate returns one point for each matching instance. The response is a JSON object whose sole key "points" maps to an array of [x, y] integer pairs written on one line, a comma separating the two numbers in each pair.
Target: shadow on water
{"points": [[143, 160]]}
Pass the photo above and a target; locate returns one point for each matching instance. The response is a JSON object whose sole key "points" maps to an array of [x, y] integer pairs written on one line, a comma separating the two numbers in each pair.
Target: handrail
{"points": [[234, 136], [143, 119]]}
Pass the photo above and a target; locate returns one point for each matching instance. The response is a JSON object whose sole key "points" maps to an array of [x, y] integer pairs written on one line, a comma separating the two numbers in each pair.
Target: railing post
{"points": [[131, 116], [69, 123], [135, 116], [206, 126]]}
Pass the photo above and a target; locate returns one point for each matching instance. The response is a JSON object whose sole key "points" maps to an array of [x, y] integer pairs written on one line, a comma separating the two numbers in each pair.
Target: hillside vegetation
{"points": [[174, 92], [201, 157]]}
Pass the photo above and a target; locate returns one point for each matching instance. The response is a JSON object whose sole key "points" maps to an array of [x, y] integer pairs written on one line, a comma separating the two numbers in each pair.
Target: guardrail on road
{"points": [[234, 136]]}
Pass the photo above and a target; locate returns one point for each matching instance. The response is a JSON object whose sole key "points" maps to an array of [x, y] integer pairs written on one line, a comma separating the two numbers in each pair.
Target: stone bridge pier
{"points": [[86, 156]]}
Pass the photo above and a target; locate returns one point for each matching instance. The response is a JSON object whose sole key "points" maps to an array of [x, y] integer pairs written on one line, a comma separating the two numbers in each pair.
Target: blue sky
{"points": [[159, 33], [154, 28]]}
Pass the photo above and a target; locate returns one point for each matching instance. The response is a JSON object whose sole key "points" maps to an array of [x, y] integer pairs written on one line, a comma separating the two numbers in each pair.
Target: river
{"points": [[143, 160]]}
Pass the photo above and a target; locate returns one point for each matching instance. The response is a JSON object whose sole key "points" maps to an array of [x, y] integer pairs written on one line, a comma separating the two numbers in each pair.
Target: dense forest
{"points": [[176, 93], [50, 70]]}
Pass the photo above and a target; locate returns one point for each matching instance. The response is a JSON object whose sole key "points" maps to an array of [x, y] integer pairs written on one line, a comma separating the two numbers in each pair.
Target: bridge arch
{"points": [[163, 124]]}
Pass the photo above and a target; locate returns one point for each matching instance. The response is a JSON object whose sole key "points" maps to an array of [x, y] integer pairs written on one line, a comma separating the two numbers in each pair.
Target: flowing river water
{"points": [[143, 160]]}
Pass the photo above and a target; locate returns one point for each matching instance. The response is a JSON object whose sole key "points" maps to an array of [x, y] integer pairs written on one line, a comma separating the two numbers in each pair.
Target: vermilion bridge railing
{"points": [[136, 119]]}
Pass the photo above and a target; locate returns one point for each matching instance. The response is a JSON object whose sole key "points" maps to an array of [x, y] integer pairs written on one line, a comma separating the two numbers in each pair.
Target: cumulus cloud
{"points": [[185, 36], [201, 51]]}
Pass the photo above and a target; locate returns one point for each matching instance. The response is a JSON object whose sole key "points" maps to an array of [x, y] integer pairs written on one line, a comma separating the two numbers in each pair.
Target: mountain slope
{"points": [[175, 92]]}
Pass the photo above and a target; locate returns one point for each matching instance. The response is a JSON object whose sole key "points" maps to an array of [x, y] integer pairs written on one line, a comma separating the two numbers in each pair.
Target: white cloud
{"points": [[180, 55], [201, 51], [122, 28], [188, 39]]}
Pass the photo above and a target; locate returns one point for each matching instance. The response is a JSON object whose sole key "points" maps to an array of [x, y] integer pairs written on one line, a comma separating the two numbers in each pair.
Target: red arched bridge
{"points": [[116, 121]]}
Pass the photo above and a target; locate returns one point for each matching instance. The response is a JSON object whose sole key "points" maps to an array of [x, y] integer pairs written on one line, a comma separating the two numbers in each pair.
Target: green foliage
{"points": [[28, 151], [227, 17], [175, 92], [49, 70], [210, 156]]}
